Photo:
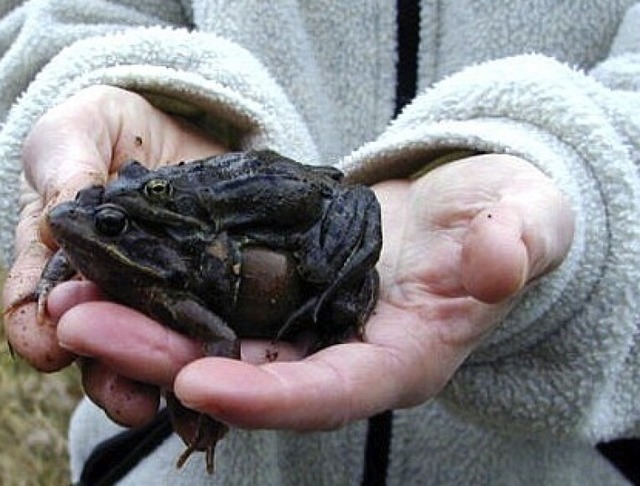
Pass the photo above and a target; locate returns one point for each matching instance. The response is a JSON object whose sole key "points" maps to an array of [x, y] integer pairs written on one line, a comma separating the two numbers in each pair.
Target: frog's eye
{"points": [[158, 189], [111, 221]]}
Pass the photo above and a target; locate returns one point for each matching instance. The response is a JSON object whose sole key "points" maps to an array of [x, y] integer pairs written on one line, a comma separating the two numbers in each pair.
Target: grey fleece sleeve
{"points": [[621, 70], [565, 361], [188, 73], [32, 33]]}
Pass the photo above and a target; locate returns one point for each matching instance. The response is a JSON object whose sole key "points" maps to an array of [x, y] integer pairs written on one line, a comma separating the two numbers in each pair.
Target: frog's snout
{"points": [[66, 218], [61, 213]]}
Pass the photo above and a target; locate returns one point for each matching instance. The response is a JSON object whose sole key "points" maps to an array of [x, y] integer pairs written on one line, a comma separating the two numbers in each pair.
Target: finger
{"points": [[125, 401], [36, 342], [64, 153], [86, 138], [330, 388], [128, 342], [69, 294], [303, 395]]}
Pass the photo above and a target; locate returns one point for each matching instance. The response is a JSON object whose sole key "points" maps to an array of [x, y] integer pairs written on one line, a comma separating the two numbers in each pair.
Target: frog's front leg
{"points": [[186, 314], [57, 270]]}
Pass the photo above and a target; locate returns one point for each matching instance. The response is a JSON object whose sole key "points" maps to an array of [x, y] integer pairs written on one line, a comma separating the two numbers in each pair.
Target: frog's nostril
{"points": [[54, 214]]}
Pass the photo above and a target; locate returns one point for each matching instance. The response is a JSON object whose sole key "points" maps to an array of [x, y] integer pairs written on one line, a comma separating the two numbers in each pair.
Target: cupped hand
{"points": [[81, 142], [460, 244]]}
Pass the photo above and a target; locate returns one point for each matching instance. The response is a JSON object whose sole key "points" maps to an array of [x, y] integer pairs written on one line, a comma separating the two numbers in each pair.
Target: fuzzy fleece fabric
{"points": [[556, 83]]}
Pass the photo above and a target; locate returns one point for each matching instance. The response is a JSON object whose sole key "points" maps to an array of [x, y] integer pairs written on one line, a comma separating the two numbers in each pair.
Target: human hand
{"points": [[82, 141], [457, 250]]}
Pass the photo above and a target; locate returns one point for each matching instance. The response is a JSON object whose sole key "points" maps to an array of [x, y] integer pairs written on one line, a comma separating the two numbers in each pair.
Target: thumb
{"points": [[71, 146], [494, 256], [514, 242]]}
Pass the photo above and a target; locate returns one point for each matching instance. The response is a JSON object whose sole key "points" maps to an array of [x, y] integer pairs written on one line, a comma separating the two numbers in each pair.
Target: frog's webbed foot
{"points": [[205, 439], [297, 319], [337, 317], [349, 310], [199, 432]]}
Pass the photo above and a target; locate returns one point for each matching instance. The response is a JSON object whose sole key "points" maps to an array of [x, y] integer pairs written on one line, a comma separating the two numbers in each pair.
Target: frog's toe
{"points": [[223, 348], [297, 319], [41, 309]]}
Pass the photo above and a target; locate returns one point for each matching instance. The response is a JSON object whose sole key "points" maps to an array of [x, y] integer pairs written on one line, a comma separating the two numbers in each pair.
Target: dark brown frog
{"points": [[186, 287], [241, 245], [260, 197]]}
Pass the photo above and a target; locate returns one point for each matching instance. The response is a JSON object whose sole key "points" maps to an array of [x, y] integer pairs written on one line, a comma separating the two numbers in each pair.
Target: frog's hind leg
{"points": [[348, 312], [345, 246]]}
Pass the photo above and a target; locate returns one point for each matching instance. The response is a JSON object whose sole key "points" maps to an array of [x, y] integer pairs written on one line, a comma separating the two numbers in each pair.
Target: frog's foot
{"points": [[297, 319], [341, 252], [40, 299], [207, 434], [44, 289], [57, 270], [223, 348], [338, 319], [186, 454], [198, 431]]}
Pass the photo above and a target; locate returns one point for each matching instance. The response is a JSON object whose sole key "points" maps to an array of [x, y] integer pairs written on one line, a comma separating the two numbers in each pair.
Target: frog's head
{"points": [[162, 195], [106, 246]]}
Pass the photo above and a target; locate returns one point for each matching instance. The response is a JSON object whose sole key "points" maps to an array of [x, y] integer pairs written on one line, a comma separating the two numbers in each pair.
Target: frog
{"points": [[192, 288], [228, 247], [332, 228], [174, 283]]}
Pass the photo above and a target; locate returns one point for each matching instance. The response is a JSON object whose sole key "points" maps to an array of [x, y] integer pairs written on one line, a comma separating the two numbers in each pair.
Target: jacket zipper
{"points": [[380, 427]]}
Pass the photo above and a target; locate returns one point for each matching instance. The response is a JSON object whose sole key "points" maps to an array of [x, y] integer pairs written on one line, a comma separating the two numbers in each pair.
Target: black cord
{"points": [[113, 458]]}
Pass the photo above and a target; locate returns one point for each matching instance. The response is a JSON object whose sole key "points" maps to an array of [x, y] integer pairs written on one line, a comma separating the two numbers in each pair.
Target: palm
{"points": [[454, 250]]}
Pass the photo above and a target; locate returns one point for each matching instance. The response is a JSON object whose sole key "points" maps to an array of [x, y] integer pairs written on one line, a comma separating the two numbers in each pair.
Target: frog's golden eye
{"points": [[158, 189]]}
